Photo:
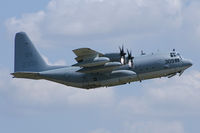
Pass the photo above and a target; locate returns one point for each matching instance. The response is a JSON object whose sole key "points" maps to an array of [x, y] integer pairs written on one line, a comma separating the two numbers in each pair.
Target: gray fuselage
{"points": [[145, 67]]}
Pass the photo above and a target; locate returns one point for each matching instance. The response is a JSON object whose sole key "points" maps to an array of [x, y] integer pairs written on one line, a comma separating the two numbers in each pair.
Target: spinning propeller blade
{"points": [[130, 58], [122, 55]]}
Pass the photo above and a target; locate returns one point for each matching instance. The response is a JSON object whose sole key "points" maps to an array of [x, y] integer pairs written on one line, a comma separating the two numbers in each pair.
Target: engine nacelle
{"points": [[98, 61], [109, 66]]}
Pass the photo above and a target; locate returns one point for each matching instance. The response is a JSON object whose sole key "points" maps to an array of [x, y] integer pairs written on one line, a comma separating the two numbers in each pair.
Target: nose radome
{"points": [[188, 63]]}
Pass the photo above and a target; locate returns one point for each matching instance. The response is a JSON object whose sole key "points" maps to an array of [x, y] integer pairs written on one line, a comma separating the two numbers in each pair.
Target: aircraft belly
{"points": [[111, 81], [157, 74], [116, 81], [89, 81]]}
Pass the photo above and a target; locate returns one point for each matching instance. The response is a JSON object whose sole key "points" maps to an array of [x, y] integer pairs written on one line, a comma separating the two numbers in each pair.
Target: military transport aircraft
{"points": [[94, 69]]}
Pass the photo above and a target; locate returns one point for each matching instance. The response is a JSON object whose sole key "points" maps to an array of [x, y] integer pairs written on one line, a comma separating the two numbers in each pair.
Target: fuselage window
{"points": [[172, 55]]}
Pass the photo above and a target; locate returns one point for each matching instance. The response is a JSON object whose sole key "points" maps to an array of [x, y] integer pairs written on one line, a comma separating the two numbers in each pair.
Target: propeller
{"points": [[122, 55], [130, 58]]}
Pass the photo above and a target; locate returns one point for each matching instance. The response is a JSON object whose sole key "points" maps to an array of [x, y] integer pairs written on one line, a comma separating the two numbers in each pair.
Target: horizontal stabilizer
{"points": [[29, 75]]}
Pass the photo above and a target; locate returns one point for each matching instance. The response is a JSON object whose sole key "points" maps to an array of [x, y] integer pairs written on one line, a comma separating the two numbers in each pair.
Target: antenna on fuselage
{"points": [[142, 52], [179, 56]]}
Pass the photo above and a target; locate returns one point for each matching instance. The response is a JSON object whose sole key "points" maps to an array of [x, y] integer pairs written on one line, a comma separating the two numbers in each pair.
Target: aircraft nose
{"points": [[188, 63]]}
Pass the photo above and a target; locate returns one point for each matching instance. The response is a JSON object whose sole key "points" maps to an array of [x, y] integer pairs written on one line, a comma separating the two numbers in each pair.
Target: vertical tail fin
{"points": [[27, 58]]}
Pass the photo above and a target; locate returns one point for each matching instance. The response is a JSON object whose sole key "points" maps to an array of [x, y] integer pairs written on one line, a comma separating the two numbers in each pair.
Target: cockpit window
{"points": [[172, 54], [177, 60]]}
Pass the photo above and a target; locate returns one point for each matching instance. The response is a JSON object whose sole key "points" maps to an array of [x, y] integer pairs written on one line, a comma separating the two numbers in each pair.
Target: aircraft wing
{"points": [[85, 54], [92, 61]]}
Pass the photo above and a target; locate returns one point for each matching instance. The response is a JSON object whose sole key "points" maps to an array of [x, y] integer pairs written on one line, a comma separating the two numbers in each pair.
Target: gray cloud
{"points": [[42, 94], [154, 127], [139, 24], [106, 18], [165, 98], [178, 96]]}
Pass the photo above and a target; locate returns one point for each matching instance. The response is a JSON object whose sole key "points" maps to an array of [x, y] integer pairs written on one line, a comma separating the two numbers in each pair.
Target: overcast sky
{"points": [[56, 27]]}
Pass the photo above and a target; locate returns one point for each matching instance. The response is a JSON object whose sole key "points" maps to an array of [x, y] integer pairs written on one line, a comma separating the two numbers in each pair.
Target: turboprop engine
{"points": [[97, 61]]}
